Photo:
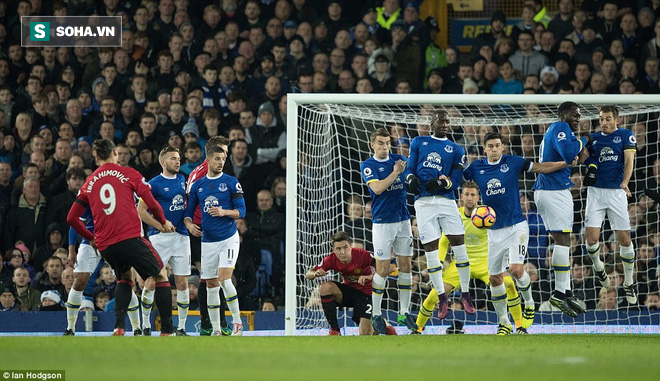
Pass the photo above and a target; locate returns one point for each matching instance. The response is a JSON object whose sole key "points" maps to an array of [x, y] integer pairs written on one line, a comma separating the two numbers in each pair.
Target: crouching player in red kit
{"points": [[356, 267], [118, 231]]}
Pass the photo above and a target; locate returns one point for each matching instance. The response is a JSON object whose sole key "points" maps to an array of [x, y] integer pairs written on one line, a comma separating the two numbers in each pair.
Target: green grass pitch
{"points": [[454, 357]]}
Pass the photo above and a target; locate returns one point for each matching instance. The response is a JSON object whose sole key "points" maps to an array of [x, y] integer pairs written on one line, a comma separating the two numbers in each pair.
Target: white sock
{"points": [[231, 296], [147, 303], [525, 287], [627, 254], [213, 300], [562, 268], [72, 307], [463, 266], [182, 304], [377, 290], [133, 311], [594, 254], [434, 267], [405, 291], [498, 297]]}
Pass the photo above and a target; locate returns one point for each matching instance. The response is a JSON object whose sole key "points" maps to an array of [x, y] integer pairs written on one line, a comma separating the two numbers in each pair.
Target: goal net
{"points": [[328, 138]]}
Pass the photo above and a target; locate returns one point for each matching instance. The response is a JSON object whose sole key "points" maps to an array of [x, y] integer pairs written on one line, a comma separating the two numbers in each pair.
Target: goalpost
{"points": [[328, 138]]}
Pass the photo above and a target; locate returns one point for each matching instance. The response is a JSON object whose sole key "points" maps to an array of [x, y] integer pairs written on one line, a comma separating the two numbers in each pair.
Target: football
{"points": [[483, 217]]}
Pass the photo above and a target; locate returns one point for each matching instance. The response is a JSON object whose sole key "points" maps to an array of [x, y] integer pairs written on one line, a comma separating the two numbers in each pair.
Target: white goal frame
{"points": [[294, 100]]}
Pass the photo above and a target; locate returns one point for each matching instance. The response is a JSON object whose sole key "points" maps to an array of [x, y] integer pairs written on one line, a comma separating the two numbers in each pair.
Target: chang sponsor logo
{"points": [[433, 160], [178, 203], [210, 202], [396, 185], [494, 187], [607, 154]]}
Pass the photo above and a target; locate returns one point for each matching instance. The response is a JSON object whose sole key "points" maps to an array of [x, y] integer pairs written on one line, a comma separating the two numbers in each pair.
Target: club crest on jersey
{"points": [[178, 203], [561, 136], [504, 168], [210, 202], [617, 139], [222, 187], [494, 187], [357, 271], [449, 149], [379, 252], [367, 172]]}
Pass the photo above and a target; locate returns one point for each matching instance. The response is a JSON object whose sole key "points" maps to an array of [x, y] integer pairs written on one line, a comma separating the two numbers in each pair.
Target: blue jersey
{"points": [[389, 206], [606, 152], [498, 185], [170, 192], [223, 191], [89, 224], [431, 157], [559, 144]]}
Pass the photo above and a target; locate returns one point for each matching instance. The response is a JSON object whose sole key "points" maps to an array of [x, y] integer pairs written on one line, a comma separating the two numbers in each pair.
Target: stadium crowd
{"points": [[188, 70]]}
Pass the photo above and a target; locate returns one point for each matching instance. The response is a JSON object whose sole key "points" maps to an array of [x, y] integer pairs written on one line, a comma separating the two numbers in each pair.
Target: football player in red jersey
{"points": [[196, 245], [118, 230], [356, 267]]}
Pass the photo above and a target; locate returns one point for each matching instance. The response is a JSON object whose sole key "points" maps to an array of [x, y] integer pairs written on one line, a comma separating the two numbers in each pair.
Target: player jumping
{"points": [[437, 163], [553, 199], [497, 176], [383, 174], [612, 156]]}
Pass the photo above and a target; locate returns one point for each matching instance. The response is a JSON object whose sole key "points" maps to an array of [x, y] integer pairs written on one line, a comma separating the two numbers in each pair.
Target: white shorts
{"points": [[215, 255], [173, 248], [614, 202], [556, 209], [437, 215], [88, 260], [507, 245], [395, 236]]}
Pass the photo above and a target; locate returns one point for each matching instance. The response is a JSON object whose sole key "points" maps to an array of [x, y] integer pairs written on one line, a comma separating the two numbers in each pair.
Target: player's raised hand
{"points": [[319, 273], [192, 228], [400, 166]]}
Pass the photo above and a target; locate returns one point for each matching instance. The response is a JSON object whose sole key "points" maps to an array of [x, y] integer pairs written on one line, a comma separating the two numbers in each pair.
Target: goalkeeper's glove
{"points": [[413, 184], [436, 185], [590, 176]]}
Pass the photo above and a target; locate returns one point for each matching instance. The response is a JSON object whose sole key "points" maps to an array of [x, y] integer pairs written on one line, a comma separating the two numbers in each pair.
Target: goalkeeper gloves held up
{"points": [[413, 184], [436, 185], [590, 176]]}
